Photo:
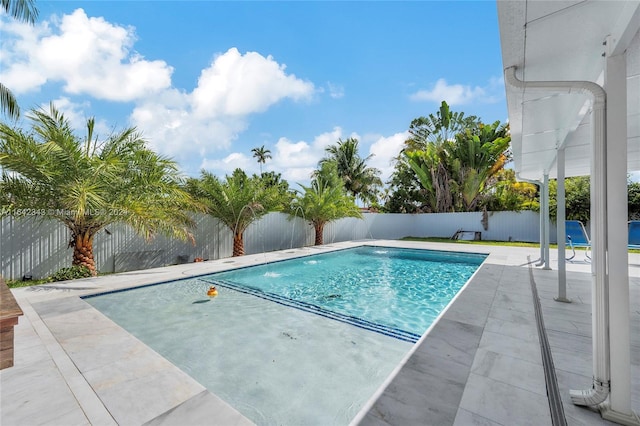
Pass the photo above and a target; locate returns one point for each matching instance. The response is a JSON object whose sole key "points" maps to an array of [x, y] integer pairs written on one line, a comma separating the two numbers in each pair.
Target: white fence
{"points": [[39, 248]]}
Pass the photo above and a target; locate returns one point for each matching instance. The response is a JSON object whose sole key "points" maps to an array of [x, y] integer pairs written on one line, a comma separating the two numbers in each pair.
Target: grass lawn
{"points": [[490, 243], [47, 280], [27, 283], [481, 242]]}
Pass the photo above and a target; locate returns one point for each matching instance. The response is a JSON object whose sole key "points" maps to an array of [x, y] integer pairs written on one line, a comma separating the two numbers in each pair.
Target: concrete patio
{"points": [[480, 364]]}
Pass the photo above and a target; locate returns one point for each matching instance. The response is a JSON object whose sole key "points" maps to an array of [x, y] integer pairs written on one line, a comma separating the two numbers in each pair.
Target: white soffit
{"points": [[563, 41]]}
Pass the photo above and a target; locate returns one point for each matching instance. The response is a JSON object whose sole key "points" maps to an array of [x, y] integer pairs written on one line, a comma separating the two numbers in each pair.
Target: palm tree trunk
{"points": [[238, 244], [319, 227], [444, 201], [83, 252]]}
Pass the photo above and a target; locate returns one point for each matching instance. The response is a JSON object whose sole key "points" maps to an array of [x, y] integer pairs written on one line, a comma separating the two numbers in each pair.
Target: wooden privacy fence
{"points": [[40, 248]]}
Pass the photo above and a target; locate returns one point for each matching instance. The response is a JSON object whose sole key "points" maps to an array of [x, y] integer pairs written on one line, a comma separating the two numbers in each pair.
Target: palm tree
{"points": [[456, 173], [425, 155], [359, 180], [237, 201], [262, 156], [430, 168], [26, 11], [438, 128], [476, 157], [89, 184], [324, 201]]}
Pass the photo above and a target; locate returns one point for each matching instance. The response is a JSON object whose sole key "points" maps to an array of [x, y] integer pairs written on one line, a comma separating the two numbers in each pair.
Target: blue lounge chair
{"points": [[577, 237], [634, 234]]}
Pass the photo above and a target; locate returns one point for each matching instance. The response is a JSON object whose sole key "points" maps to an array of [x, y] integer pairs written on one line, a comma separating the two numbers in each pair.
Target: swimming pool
{"points": [[279, 365], [401, 291]]}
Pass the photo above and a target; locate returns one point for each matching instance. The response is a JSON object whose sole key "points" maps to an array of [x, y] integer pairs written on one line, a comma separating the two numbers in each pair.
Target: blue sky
{"points": [[206, 81]]}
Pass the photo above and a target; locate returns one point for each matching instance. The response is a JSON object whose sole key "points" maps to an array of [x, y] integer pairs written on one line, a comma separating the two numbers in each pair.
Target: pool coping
{"points": [[66, 328], [436, 372]]}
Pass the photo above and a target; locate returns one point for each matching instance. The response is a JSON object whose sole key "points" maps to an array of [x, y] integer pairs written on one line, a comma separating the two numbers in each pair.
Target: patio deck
{"points": [[480, 364]]}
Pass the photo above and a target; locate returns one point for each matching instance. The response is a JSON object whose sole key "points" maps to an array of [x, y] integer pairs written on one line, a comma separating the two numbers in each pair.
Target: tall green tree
{"points": [[477, 155], [454, 158], [420, 177], [262, 155], [577, 198], [430, 168], [406, 194], [273, 179], [633, 191], [88, 184], [438, 128], [237, 201], [361, 181], [508, 194], [324, 201], [25, 11]]}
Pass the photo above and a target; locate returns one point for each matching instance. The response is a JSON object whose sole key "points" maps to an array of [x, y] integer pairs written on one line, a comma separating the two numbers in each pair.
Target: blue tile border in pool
{"points": [[317, 310]]}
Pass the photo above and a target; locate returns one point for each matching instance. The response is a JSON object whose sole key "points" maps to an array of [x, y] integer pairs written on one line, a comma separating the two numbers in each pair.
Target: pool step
{"points": [[396, 333]]}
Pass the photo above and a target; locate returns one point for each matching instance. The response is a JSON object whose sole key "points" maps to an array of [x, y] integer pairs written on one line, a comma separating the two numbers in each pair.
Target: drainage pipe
{"points": [[600, 291]]}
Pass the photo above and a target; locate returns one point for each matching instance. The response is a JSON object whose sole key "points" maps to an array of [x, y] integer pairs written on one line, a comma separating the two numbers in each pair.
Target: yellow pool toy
{"points": [[212, 292]]}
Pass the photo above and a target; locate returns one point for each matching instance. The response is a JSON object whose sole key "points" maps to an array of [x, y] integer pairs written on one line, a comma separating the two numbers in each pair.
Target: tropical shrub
{"points": [[71, 273]]}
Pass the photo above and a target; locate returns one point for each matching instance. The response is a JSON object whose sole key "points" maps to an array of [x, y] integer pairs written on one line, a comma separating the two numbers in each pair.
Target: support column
{"points": [[560, 230], [541, 238], [618, 409], [545, 184]]}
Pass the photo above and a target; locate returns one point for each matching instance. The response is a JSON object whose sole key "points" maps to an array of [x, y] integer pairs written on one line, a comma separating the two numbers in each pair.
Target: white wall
{"points": [[502, 226], [39, 248]]}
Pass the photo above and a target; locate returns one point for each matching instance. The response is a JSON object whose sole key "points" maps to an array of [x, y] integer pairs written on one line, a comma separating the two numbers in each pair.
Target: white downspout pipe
{"points": [[600, 291], [543, 223]]}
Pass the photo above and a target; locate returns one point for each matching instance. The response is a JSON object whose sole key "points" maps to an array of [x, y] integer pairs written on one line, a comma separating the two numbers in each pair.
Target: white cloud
{"points": [[228, 164], [457, 94], [297, 160], [197, 127], [173, 130], [88, 55], [210, 118], [238, 85], [17, 44], [384, 150], [335, 91]]}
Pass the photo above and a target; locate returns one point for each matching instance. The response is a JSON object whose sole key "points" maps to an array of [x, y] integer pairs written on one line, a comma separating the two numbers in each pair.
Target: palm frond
{"points": [[22, 10], [8, 103]]}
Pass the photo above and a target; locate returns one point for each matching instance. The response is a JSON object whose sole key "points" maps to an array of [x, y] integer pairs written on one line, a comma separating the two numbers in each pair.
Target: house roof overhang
{"points": [[564, 41]]}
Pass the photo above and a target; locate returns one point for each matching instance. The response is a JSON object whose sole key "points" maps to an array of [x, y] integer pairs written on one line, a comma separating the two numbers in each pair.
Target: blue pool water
{"points": [[340, 324], [398, 289]]}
